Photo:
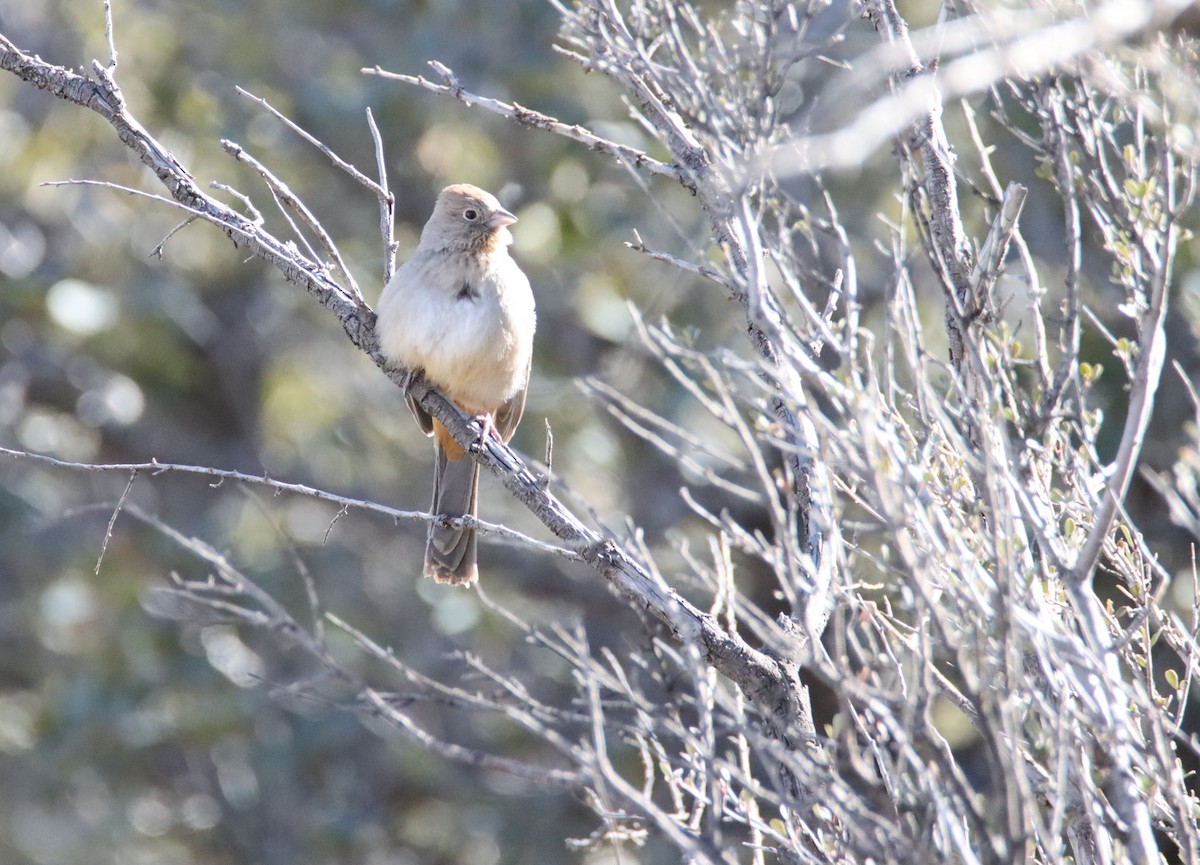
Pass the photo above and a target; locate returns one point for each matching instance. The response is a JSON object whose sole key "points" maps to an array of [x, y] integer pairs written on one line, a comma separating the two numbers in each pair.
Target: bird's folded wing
{"points": [[509, 414], [424, 418]]}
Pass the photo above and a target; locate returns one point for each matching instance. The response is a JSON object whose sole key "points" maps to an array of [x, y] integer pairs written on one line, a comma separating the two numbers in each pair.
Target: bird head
{"points": [[468, 219]]}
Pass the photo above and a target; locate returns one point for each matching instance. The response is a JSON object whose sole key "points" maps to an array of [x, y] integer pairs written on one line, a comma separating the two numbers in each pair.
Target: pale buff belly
{"points": [[465, 346]]}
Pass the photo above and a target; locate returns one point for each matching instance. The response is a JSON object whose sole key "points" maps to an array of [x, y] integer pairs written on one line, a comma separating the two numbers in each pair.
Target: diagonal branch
{"points": [[530, 118]]}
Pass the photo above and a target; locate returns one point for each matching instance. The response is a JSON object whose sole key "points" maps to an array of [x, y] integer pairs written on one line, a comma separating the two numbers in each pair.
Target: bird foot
{"points": [[488, 424], [410, 377]]}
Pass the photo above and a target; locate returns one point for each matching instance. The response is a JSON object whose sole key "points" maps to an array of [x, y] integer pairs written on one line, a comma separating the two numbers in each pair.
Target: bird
{"points": [[461, 311]]}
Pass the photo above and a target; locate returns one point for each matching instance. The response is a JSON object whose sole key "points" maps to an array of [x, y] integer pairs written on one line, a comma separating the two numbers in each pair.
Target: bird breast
{"points": [[467, 323]]}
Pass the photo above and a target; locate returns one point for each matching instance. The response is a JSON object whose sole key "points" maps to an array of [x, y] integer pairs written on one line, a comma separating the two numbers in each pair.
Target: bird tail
{"points": [[450, 552]]}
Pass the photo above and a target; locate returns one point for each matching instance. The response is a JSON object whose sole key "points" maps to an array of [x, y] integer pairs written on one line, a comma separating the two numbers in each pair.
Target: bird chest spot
{"points": [[467, 292]]}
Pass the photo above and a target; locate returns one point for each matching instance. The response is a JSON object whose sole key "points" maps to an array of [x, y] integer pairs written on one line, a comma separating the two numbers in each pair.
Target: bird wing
{"points": [[509, 414], [424, 419]]}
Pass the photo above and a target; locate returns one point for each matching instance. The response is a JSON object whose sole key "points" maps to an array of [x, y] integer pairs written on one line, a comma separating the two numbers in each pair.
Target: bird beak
{"points": [[501, 218]]}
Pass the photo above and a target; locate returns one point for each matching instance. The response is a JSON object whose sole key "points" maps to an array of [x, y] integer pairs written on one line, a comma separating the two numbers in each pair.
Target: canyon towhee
{"points": [[462, 311]]}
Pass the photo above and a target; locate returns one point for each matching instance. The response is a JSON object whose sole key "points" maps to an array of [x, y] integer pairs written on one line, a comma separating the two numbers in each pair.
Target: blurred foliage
{"points": [[127, 739]]}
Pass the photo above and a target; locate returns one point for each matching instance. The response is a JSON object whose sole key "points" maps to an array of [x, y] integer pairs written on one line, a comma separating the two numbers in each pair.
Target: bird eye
{"points": [[470, 214]]}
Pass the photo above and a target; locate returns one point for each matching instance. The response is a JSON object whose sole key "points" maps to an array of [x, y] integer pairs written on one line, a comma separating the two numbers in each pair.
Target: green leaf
{"points": [[1136, 188]]}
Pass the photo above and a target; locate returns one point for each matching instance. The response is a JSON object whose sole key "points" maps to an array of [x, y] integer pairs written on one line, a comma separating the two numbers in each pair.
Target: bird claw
{"points": [[488, 426], [408, 379]]}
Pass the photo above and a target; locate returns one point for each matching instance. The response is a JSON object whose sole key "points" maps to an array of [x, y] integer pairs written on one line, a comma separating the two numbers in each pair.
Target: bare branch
{"points": [[284, 194], [387, 204], [527, 117], [108, 530]]}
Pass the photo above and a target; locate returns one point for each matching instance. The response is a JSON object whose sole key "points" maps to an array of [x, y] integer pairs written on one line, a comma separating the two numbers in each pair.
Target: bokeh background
{"points": [[126, 738]]}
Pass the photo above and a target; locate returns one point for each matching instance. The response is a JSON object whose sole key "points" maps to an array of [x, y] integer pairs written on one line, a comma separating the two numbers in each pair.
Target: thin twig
{"points": [[112, 521], [284, 193], [528, 117], [380, 191], [154, 468], [108, 37], [387, 204]]}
